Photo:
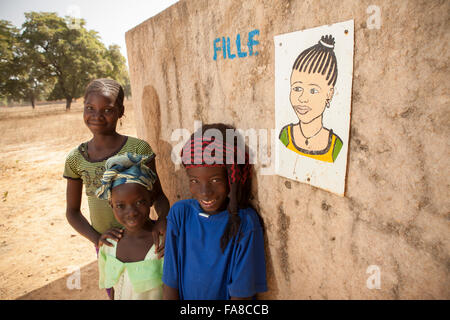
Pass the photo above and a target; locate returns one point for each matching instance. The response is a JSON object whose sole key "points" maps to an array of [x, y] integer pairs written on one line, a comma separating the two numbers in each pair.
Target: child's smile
{"points": [[131, 204], [100, 115], [209, 186], [208, 204]]}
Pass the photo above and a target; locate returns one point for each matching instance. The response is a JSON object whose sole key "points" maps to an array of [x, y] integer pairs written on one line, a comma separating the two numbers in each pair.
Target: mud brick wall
{"points": [[395, 213]]}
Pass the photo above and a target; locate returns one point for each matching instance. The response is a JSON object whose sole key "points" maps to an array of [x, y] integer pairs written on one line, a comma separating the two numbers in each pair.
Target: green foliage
{"points": [[7, 41], [21, 78], [52, 58], [119, 70]]}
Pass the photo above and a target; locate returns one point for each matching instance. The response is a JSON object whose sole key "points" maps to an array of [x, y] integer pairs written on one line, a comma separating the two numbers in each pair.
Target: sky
{"points": [[110, 18]]}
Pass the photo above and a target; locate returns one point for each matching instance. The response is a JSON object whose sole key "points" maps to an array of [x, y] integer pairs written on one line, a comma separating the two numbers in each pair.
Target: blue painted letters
{"points": [[226, 46]]}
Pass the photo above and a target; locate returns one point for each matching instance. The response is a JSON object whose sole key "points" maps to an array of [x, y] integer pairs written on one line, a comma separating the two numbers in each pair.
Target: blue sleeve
{"points": [[249, 270], [170, 268]]}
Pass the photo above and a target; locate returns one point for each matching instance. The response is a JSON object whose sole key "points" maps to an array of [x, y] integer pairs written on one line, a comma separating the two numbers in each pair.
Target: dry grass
{"points": [[49, 124], [40, 110], [41, 125], [37, 245]]}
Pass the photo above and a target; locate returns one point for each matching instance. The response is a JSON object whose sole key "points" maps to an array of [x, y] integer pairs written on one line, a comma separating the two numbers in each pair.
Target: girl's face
{"points": [[209, 186], [100, 114], [131, 204], [309, 94]]}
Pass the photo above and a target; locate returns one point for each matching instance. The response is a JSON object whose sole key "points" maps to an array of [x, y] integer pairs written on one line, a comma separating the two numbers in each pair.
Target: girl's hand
{"points": [[159, 229], [113, 234]]}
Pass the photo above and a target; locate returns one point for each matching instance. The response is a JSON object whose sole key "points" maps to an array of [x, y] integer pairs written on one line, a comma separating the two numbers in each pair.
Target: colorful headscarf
{"points": [[126, 168]]}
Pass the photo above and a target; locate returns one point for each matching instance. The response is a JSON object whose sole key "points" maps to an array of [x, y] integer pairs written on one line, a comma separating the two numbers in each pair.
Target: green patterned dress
{"points": [[78, 166]]}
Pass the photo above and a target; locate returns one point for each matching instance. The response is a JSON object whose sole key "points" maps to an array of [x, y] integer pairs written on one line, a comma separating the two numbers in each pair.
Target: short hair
{"points": [[319, 58], [107, 87]]}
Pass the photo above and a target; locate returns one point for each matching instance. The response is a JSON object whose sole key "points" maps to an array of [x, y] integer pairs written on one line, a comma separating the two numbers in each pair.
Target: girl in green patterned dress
{"points": [[85, 164]]}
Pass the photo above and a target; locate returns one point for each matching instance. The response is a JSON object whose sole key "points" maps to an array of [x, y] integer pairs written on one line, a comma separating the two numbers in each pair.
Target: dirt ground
{"points": [[41, 255]]}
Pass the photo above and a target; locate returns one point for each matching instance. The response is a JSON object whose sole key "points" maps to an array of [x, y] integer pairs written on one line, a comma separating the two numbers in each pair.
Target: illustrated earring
{"points": [[327, 104]]}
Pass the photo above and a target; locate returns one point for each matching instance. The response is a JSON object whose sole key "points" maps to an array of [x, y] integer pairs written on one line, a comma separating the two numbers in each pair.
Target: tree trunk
{"points": [[68, 103], [32, 102]]}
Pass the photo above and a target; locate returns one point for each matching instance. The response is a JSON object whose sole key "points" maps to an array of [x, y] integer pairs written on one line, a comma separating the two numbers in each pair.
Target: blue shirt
{"points": [[194, 262]]}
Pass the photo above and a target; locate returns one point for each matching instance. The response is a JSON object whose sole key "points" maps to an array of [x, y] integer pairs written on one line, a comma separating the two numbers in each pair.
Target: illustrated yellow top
{"points": [[329, 154]]}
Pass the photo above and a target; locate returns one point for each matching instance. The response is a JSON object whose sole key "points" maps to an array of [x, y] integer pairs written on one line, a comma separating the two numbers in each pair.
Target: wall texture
{"points": [[395, 213]]}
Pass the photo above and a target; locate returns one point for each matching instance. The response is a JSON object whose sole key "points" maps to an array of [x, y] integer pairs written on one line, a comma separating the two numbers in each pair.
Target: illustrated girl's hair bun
{"points": [[319, 58], [327, 41]]}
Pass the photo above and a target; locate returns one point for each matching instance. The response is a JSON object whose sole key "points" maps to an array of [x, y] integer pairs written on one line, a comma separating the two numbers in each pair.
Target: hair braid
{"points": [[238, 177], [312, 60], [109, 88]]}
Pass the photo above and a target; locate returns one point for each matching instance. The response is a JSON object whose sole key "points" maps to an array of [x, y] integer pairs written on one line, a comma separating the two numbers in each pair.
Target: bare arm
{"points": [[161, 203], [170, 293], [79, 222], [162, 206], [73, 212]]}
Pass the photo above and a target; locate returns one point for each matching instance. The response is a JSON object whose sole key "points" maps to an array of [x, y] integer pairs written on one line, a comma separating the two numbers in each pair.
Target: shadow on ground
{"points": [[59, 289]]}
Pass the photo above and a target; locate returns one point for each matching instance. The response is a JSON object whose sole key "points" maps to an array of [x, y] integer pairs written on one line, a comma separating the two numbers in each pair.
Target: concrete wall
{"points": [[395, 213]]}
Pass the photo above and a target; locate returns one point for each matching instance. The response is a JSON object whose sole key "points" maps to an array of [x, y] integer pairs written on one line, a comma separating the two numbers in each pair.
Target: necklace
{"points": [[307, 138]]}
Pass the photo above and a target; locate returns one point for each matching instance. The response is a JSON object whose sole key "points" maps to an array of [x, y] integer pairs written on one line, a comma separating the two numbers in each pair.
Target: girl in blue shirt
{"points": [[214, 242]]}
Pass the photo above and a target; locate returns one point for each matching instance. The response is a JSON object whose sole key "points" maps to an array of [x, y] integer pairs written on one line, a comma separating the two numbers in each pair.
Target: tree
{"points": [[119, 70], [53, 58], [21, 78], [73, 56], [29, 83], [7, 41]]}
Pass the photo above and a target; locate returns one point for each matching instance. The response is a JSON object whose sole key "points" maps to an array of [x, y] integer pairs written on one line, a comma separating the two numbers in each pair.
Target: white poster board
{"points": [[313, 85]]}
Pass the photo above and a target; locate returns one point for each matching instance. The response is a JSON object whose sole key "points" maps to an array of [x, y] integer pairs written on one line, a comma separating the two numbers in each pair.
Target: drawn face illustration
{"points": [[309, 94]]}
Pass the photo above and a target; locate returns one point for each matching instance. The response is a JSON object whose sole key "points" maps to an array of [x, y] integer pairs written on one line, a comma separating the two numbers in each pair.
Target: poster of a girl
{"points": [[313, 78]]}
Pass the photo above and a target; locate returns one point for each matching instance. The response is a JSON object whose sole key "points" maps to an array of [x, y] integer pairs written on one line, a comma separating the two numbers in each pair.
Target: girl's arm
{"points": [[162, 206], [79, 222], [73, 212], [170, 293], [161, 203], [249, 268]]}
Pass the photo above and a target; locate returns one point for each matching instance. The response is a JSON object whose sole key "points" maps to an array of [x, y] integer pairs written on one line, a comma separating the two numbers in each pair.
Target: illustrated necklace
{"points": [[307, 138]]}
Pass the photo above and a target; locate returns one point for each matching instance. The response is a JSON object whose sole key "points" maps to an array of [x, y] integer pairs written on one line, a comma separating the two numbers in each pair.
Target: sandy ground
{"points": [[41, 255]]}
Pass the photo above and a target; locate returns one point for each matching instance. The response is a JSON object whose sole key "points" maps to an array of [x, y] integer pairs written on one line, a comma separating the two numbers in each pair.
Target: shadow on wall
{"points": [[272, 287], [175, 183], [59, 289], [170, 179]]}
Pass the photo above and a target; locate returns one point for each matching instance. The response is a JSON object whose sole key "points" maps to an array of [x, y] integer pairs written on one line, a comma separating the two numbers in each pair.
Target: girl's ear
{"points": [[151, 196], [122, 111], [330, 93]]}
